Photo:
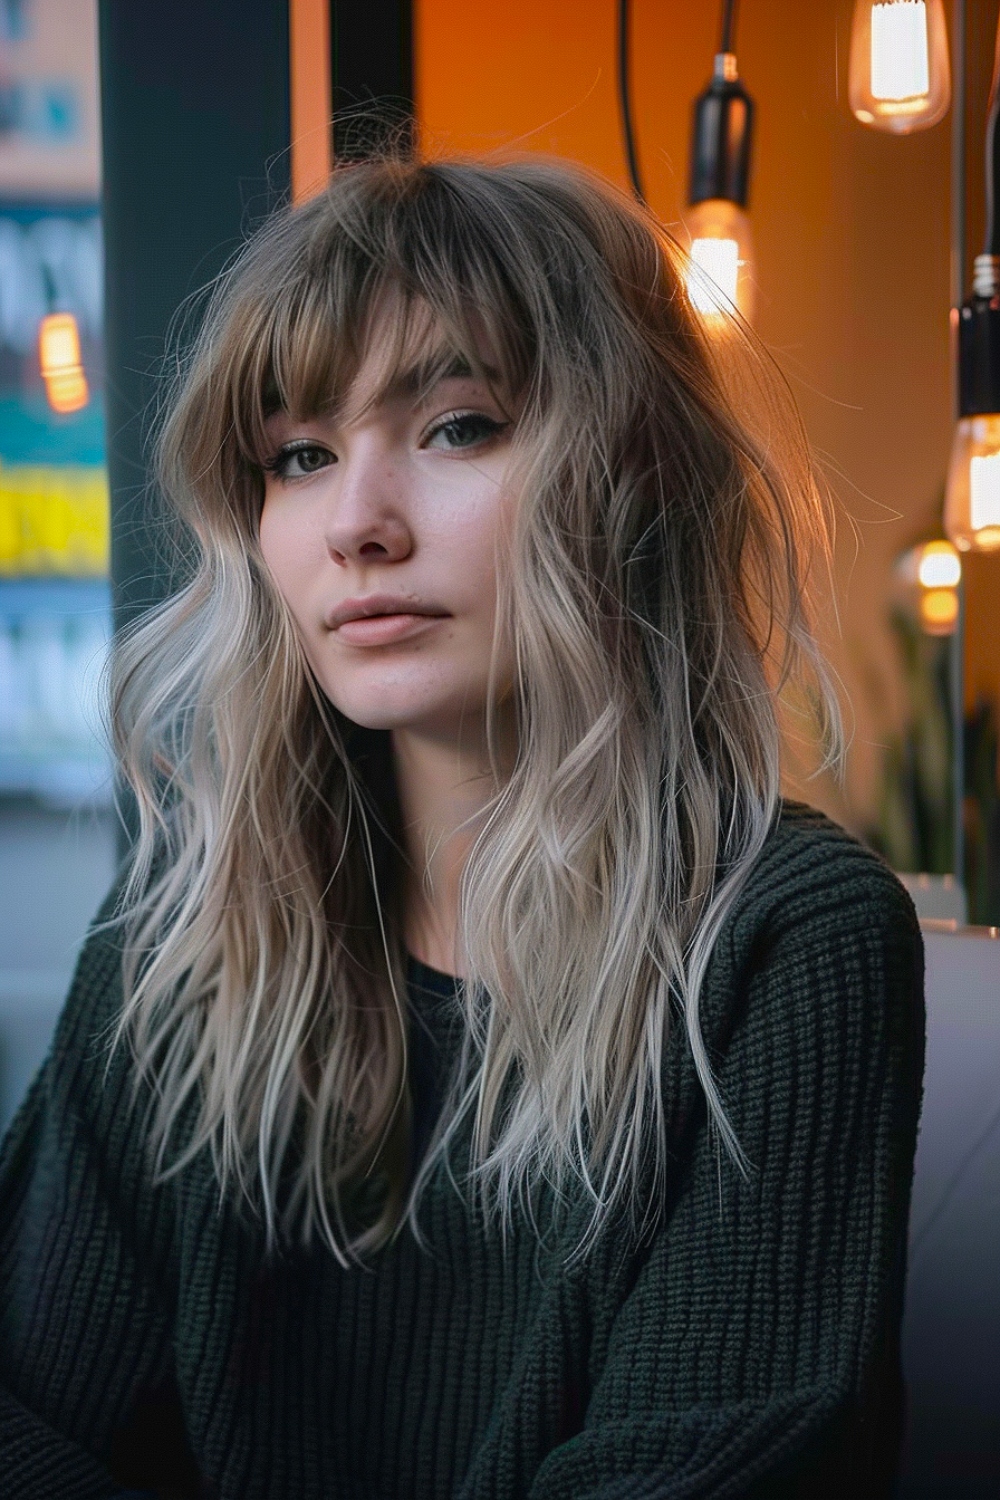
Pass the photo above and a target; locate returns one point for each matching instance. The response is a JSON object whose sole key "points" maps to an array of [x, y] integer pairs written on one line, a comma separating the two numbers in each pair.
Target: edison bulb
{"points": [[899, 77], [938, 566], [972, 505], [720, 250], [939, 610], [939, 573], [60, 362]]}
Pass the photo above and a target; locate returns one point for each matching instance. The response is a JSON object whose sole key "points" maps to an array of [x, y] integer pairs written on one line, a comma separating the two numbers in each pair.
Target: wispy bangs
{"points": [[387, 305]]}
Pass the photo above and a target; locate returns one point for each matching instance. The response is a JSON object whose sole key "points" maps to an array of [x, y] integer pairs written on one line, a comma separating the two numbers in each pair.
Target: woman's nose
{"points": [[367, 520]]}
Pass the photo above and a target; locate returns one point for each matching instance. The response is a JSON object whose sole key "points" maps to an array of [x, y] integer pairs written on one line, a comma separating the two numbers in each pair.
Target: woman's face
{"points": [[381, 528]]}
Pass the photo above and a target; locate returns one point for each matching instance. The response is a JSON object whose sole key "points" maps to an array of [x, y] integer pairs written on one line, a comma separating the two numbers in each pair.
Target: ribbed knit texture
{"points": [[748, 1348]]}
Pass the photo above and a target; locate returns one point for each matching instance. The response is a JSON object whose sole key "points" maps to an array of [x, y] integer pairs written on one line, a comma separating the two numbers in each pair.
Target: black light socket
{"points": [[979, 357], [721, 139]]}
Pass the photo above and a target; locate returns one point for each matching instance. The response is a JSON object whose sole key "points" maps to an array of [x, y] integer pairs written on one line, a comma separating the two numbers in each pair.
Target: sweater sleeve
{"points": [[756, 1352], [84, 1326]]}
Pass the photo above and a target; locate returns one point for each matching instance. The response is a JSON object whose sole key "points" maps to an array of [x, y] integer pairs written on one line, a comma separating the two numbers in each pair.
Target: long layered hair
{"points": [[654, 591]]}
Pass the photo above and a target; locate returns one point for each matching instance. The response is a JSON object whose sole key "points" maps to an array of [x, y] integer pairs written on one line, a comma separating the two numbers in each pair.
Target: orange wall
{"points": [[309, 60], [852, 242]]}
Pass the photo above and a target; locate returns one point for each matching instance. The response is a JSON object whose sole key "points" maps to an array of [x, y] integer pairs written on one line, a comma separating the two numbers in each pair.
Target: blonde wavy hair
{"points": [[655, 595]]}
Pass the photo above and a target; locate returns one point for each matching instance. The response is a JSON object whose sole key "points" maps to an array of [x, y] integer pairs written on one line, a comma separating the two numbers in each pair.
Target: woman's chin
{"points": [[440, 720]]}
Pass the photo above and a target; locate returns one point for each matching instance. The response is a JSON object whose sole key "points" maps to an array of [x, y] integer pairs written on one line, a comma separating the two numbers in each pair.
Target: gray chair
{"points": [[951, 1329]]}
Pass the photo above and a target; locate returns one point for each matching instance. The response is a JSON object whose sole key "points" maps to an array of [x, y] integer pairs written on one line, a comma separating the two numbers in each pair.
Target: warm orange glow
{"points": [[939, 611], [67, 392], [939, 566], [899, 78], [939, 572], [972, 505], [61, 366], [58, 344], [720, 276], [311, 97]]}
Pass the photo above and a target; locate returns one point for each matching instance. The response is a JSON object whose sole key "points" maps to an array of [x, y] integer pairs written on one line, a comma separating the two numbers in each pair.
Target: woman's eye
{"points": [[465, 430], [301, 461]]}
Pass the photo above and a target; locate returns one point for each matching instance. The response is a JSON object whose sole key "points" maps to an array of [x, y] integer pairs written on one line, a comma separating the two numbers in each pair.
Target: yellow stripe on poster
{"points": [[54, 520]]}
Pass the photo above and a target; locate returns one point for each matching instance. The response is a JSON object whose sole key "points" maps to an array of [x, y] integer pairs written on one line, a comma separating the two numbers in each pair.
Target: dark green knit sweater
{"points": [[748, 1348]]}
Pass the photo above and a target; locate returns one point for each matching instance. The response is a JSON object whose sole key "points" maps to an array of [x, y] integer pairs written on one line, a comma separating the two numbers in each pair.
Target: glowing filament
{"points": [[984, 482], [900, 61], [719, 261], [939, 566], [62, 368], [939, 611]]}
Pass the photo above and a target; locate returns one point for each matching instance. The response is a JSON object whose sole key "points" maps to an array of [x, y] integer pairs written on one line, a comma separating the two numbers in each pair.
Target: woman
{"points": [[487, 1086]]}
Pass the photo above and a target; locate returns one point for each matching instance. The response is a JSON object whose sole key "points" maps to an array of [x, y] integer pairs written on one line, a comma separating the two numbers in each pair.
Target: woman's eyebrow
{"points": [[421, 378]]}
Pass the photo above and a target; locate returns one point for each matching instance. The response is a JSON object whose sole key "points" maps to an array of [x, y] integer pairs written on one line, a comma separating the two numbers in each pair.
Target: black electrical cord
{"points": [[624, 99], [728, 25], [624, 88], [992, 246]]}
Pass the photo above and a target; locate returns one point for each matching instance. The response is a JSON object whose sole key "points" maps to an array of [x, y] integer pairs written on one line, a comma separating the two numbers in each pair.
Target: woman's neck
{"points": [[444, 789]]}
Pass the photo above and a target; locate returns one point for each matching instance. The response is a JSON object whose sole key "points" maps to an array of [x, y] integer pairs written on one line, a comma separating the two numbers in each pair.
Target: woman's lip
{"points": [[365, 605], [379, 630]]}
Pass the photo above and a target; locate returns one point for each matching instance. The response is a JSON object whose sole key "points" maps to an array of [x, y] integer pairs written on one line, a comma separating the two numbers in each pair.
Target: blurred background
{"points": [[57, 836], [139, 144]]}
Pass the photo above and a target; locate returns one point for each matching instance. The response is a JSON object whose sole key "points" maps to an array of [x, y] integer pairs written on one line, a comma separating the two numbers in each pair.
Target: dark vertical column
{"points": [[956, 649], [372, 73], [195, 118], [980, 672]]}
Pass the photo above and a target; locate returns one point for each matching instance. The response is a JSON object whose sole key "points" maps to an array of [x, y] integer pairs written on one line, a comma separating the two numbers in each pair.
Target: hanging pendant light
{"points": [[936, 570], [716, 224], [899, 78], [972, 503]]}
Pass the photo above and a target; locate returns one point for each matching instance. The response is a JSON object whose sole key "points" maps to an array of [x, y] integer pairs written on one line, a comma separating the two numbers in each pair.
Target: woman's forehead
{"points": [[406, 346], [403, 352]]}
